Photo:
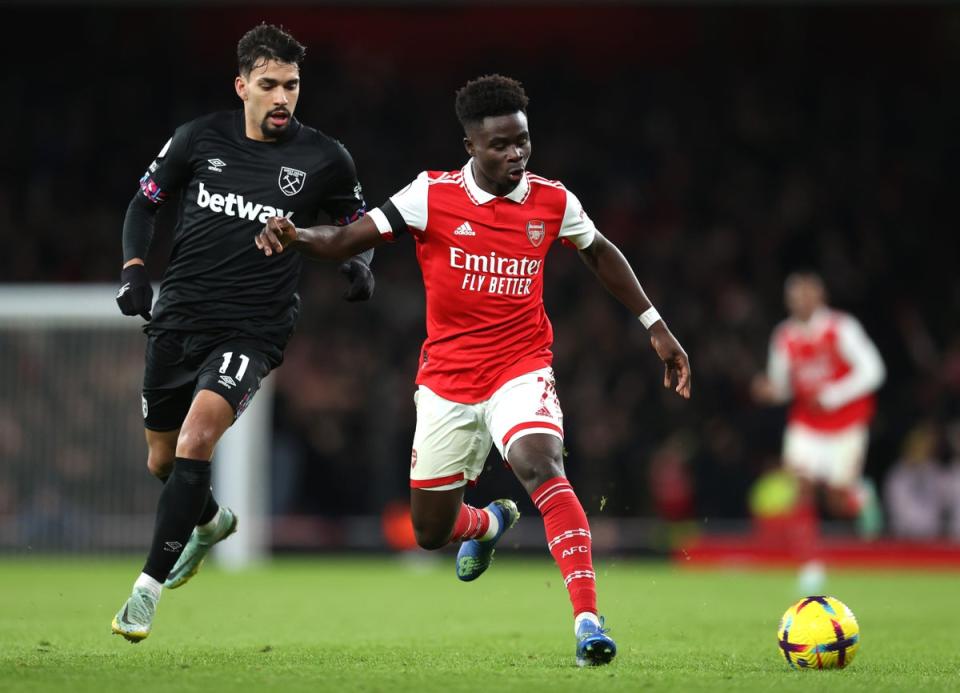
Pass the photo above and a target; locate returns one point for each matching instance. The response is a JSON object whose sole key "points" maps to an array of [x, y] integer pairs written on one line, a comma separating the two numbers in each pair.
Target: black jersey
{"points": [[230, 185]]}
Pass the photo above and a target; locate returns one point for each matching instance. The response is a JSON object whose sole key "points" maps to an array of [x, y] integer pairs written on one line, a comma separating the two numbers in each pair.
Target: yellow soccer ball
{"points": [[818, 633]]}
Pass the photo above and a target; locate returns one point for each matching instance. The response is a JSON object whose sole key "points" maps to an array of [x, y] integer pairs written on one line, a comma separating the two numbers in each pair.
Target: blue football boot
{"points": [[594, 646], [475, 556]]}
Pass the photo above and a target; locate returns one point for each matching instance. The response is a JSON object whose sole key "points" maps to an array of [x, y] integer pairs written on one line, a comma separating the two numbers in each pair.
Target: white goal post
{"points": [[73, 472]]}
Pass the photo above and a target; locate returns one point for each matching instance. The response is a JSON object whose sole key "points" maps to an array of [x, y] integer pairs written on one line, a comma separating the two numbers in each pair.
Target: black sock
{"points": [[209, 510], [181, 502]]}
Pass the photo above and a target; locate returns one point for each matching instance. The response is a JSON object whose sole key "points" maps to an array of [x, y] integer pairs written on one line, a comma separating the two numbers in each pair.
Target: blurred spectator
{"points": [[913, 488]]}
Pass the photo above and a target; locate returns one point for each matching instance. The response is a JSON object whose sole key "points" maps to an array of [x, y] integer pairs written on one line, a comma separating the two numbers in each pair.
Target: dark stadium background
{"points": [[720, 147]]}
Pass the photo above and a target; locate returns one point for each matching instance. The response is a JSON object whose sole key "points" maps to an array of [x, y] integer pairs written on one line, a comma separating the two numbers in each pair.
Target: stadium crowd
{"points": [[719, 151]]}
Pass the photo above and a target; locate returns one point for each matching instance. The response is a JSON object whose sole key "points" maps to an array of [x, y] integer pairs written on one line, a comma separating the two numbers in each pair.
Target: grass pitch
{"points": [[397, 625]]}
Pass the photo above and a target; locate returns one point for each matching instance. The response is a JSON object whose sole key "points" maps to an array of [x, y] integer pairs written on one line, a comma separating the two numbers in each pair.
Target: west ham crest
{"points": [[536, 230], [291, 180]]}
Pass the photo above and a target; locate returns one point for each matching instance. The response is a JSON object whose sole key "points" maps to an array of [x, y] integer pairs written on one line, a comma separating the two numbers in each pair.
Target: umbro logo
{"points": [[216, 165], [172, 546], [464, 230], [227, 381]]}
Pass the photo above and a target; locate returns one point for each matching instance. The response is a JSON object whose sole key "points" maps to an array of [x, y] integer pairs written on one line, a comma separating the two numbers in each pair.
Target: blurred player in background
{"points": [[225, 312], [822, 362], [482, 233]]}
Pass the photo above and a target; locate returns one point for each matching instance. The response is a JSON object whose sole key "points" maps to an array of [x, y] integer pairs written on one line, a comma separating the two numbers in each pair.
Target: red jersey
{"points": [[482, 258], [830, 368]]}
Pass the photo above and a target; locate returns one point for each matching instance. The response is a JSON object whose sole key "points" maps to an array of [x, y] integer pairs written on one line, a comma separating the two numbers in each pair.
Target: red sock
{"points": [[568, 538], [471, 523]]}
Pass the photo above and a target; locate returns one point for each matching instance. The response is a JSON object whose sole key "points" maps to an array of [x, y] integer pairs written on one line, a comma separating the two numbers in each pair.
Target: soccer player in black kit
{"points": [[225, 312]]}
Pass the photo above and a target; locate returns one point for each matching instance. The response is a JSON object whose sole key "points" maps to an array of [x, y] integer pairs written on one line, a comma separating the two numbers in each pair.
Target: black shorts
{"points": [[180, 364]]}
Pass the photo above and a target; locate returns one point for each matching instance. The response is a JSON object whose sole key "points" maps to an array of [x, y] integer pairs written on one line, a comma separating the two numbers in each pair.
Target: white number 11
{"points": [[227, 355]]}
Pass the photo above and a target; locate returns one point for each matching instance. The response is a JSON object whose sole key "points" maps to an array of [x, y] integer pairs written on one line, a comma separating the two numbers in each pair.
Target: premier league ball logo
{"points": [[291, 180], [536, 230]]}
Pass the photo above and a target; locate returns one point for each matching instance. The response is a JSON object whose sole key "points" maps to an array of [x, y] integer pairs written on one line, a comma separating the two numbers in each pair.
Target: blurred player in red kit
{"points": [[823, 363]]}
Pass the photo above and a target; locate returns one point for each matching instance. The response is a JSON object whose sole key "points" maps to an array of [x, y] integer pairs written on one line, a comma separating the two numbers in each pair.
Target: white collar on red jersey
{"points": [[482, 197]]}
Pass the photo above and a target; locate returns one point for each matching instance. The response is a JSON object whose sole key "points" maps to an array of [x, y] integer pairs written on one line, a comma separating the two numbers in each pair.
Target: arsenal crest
{"points": [[536, 230], [291, 180]]}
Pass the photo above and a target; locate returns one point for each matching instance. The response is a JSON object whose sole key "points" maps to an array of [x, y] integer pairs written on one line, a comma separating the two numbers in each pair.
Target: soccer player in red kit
{"points": [[482, 233], [822, 362]]}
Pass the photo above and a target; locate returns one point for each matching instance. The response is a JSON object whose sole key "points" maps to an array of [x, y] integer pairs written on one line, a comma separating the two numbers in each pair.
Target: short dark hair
{"points": [[804, 274], [267, 42], [489, 95]]}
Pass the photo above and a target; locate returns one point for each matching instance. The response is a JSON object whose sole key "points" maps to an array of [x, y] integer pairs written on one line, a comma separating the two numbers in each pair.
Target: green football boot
{"points": [[198, 547], [135, 618]]}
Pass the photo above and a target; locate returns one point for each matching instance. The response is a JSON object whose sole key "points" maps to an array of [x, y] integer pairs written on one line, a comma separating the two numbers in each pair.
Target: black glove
{"points": [[360, 276], [135, 296]]}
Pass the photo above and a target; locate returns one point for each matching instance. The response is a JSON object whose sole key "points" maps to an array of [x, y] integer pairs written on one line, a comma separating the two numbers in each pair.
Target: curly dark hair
{"points": [[267, 42], [489, 95]]}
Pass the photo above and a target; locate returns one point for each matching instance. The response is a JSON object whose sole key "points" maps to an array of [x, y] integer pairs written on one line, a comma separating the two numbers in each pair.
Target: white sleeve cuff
{"points": [[576, 226], [380, 219]]}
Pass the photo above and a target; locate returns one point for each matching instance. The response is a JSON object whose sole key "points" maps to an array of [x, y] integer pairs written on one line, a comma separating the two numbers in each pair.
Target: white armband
{"points": [[649, 316]]}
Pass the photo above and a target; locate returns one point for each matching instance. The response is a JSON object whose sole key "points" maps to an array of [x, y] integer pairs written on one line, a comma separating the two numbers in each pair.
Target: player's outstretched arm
{"points": [[319, 242], [612, 269]]}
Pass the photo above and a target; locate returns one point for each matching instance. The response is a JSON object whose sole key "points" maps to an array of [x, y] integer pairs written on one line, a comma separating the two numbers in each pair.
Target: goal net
{"points": [[73, 474]]}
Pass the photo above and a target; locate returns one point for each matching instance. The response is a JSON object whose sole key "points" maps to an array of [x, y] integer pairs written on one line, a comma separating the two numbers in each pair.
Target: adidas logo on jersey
{"points": [[236, 206], [464, 230]]}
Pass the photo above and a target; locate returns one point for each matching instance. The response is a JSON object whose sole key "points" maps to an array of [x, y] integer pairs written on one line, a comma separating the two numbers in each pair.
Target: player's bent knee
{"points": [[536, 459], [197, 444], [160, 466], [534, 471], [209, 417]]}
